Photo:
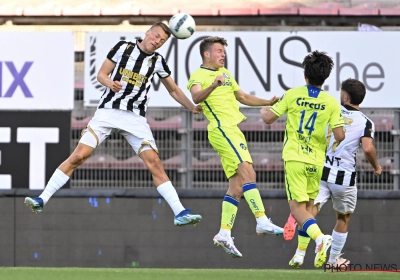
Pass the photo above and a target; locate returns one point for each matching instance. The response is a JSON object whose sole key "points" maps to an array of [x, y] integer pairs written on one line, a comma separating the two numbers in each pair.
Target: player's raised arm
{"points": [[179, 96], [251, 100]]}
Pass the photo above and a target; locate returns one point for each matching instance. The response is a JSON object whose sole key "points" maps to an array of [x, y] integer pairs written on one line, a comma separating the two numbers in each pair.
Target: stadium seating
{"points": [[364, 9], [48, 8], [382, 122], [393, 11], [327, 9], [289, 8]]}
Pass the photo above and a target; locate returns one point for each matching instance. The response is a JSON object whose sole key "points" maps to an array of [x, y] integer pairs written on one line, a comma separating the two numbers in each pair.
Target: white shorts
{"points": [[344, 198], [133, 127]]}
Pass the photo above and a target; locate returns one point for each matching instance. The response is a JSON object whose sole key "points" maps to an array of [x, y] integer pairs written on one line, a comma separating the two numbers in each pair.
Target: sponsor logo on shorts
{"points": [[311, 169], [243, 146]]}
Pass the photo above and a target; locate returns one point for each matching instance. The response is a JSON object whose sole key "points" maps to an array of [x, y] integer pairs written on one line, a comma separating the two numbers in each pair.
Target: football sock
{"points": [[229, 210], [339, 239], [303, 240], [170, 195], [57, 180], [253, 198], [312, 229]]}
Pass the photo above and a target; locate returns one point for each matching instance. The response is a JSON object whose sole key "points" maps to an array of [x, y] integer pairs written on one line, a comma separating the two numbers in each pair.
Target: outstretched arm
{"points": [[179, 96], [267, 115], [251, 100], [370, 154]]}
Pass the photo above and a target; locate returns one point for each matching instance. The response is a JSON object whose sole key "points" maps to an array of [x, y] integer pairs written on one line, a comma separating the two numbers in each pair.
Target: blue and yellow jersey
{"points": [[309, 110], [221, 107]]}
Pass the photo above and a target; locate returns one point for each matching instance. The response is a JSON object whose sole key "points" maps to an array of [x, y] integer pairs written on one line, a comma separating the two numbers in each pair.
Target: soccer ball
{"points": [[182, 25]]}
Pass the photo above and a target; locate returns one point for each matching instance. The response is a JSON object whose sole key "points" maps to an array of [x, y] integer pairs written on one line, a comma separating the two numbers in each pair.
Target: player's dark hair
{"points": [[164, 27], [355, 90], [206, 44], [317, 67]]}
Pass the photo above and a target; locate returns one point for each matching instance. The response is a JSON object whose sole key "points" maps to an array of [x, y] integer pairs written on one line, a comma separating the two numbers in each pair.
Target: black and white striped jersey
{"points": [[340, 164], [135, 70]]}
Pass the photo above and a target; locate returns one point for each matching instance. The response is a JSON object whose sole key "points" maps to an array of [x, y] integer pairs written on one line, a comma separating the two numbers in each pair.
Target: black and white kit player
{"points": [[339, 179], [127, 73]]}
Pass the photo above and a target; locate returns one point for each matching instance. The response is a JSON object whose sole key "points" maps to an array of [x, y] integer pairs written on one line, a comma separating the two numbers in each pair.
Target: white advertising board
{"points": [[268, 63], [36, 71]]}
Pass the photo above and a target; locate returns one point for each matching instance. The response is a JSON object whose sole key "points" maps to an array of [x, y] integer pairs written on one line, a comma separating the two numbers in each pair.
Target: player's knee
{"points": [[76, 159], [344, 218], [152, 161]]}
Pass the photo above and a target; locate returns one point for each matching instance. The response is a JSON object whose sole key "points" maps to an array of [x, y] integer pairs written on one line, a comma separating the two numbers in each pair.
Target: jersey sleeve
{"points": [[369, 129], [336, 119], [280, 107], [194, 79], [116, 52], [162, 68]]}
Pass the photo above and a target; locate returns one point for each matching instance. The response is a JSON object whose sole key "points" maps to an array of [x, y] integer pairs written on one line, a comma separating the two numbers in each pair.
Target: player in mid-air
{"points": [[309, 110], [339, 175], [214, 87], [127, 73]]}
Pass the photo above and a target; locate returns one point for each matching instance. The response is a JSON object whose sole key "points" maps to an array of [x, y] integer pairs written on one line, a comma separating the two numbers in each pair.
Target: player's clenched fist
{"points": [[115, 86], [219, 80]]}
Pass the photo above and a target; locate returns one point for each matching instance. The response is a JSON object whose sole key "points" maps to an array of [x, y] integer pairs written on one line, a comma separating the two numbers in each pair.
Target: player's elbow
{"points": [[368, 149], [267, 118]]}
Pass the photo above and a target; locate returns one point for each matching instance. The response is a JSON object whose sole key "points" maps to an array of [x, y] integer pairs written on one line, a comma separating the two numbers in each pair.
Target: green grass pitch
{"points": [[29, 273]]}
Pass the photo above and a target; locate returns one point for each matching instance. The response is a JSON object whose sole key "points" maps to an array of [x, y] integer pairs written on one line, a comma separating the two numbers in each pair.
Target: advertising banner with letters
{"points": [[36, 71], [267, 63], [32, 146]]}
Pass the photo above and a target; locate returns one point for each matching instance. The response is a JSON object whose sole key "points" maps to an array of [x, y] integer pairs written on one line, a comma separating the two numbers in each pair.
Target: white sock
{"points": [[300, 252], [225, 232], [339, 239], [55, 183], [262, 221], [170, 195]]}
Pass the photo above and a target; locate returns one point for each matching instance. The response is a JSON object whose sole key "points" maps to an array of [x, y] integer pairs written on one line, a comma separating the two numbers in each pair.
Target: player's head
{"points": [[352, 92], [212, 51], [156, 36], [317, 67]]}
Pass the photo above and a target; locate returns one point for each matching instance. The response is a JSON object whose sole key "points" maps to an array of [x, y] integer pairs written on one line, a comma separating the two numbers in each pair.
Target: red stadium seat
{"points": [[80, 124], [270, 161], [382, 123], [244, 11], [134, 162], [252, 124], [323, 9], [173, 122], [395, 11], [213, 163], [364, 9], [387, 163], [200, 125], [99, 161], [289, 8]]}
